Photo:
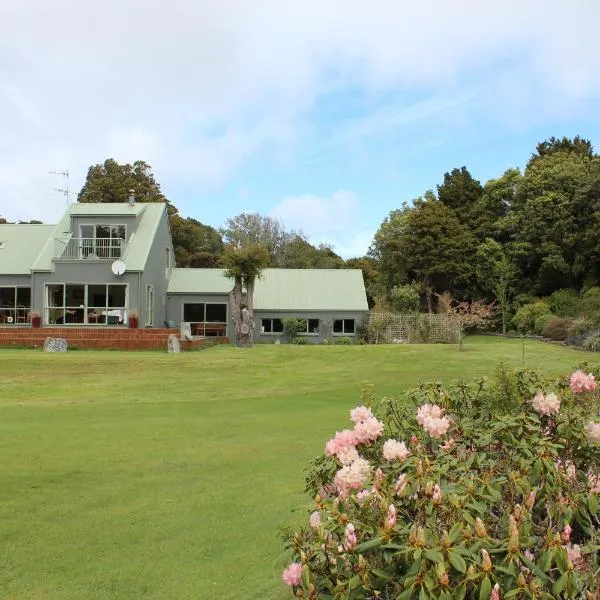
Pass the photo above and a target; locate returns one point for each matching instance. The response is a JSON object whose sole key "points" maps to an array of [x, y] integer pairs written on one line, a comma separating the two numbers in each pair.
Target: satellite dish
{"points": [[118, 267]]}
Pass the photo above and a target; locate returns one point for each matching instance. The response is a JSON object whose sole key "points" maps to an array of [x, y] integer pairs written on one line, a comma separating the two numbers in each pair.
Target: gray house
{"points": [[112, 264]]}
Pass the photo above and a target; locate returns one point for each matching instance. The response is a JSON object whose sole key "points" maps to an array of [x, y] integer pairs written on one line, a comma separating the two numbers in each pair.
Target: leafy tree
{"points": [[496, 272], [297, 253], [406, 298], [195, 244], [370, 271], [111, 182], [244, 265]]}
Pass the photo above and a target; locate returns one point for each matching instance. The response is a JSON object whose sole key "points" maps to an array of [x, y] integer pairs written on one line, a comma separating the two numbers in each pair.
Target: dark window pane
{"points": [[313, 325], [193, 313], [24, 297], [348, 325], [277, 326], [266, 325], [116, 296], [216, 313], [338, 326], [102, 231]]}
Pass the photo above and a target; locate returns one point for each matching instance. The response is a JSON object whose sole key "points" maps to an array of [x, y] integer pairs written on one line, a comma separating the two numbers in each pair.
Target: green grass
{"points": [[147, 475]]}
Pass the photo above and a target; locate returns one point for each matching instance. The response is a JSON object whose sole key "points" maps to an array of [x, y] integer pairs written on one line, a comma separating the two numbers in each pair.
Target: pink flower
{"points": [[566, 534], [436, 427], [449, 445], [548, 404], [593, 432], [350, 542], [347, 455], [427, 411], [378, 479], [363, 494], [437, 494], [315, 519], [401, 484], [352, 476], [395, 450], [360, 413], [580, 382], [292, 575], [368, 431], [495, 595], [414, 440], [390, 520], [573, 552], [340, 443]]}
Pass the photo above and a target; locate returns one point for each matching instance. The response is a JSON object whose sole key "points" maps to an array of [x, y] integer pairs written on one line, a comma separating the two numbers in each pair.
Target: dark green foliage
{"points": [[525, 318], [292, 327], [557, 328], [541, 322], [565, 303], [406, 298]]}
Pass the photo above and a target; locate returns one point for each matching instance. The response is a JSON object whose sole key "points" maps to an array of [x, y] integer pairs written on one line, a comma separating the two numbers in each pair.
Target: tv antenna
{"points": [[65, 189]]}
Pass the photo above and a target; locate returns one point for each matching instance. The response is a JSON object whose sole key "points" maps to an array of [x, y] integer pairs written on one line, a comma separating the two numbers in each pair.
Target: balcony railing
{"points": [[89, 248]]}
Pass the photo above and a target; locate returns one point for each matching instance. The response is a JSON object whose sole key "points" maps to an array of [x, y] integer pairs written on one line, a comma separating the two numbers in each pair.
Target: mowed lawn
{"points": [[147, 475]]}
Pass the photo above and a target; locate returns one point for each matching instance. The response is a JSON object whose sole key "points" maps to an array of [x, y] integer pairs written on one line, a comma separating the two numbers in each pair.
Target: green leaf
{"points": [[530, 565], [305, 574], [455, 532], [560, 584], [545, 560], [593, 503], [485, 589], [406, 594], [381, 574], [561, 559], [434, 555], [460, 593], [368, 545], [457, 561], [423, 594]]}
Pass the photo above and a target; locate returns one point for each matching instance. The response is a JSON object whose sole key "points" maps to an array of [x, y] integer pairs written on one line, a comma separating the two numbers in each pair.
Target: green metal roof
{"points": [[148, 217], [311, 289], [20, 245], [283, 289], [199, 281]]}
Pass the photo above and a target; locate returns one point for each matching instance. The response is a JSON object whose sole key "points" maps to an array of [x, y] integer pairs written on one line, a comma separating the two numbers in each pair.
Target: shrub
{"points": [[593, 343], [541, 322], [343, 341], [557, 328], [299, 341], [580, 325], [406, 298], [492, 492], [565, 303], [292, 327], [525, 317], [590, 303]]}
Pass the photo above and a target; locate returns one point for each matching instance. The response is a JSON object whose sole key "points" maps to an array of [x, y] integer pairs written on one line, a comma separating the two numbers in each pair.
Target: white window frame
{"points": [[86, 305], [262, 330], [110, 246], [149, 314], [226, 304], [344, 333], [308, 332]]}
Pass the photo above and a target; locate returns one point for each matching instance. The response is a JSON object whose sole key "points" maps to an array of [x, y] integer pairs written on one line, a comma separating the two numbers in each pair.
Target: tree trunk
{"points": [[250, 304], [236, 311], [428, 297]]}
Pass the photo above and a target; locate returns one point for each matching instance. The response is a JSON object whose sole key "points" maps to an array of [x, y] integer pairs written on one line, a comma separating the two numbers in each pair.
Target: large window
{"points": [[311, 327], [343, 327], [102, 241], [271, 326], [85, 304], [15, 305], [206, 319]]}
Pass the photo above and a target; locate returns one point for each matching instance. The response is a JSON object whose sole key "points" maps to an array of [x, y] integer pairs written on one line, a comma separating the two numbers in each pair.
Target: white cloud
{"points": [[331, 220], [199, 88]]}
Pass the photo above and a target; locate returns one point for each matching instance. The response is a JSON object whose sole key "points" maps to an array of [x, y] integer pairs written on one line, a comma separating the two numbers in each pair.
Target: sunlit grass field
{"points": [[147, 475]]}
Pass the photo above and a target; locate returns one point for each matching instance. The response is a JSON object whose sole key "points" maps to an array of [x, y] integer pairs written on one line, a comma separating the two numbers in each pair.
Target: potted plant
{"points": [[36, 318], [133, 318]]}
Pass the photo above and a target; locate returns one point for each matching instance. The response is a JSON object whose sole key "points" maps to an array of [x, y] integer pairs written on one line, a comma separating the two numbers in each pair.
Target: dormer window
{"points": [[102, 241]]}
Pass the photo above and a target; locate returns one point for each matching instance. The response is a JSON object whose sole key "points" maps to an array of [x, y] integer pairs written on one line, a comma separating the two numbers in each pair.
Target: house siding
{"points": [[155, 274], [175, 304], [326, 319]]}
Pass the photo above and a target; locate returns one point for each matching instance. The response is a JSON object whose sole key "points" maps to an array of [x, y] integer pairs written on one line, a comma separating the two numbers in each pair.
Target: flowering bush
{"points": [[483, 491]]}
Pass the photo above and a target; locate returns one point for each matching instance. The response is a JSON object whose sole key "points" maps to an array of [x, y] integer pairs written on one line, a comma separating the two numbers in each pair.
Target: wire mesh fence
{"points": [[421, 328]]}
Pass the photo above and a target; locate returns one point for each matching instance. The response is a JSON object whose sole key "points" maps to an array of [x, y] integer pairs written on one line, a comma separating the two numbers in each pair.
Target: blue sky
{"points": [[326, 114]]}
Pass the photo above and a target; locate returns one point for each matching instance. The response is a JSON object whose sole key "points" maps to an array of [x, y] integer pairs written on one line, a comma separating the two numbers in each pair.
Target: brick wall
{"points": [[107, 338]]}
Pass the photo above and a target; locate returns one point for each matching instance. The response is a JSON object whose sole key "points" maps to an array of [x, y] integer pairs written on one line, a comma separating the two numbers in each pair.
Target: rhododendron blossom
{"points": [[437, 494], [360, 413], [292, 575], [395, 450], [593, 432], [545, 404], [495, 595], [352, 476], [390, 519], [436, 427], [315, 519], [428, 411], [340, 443], [580, 382], [350, 542], [368, 430], [347, 455], [449, 445], [566, 534]]}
